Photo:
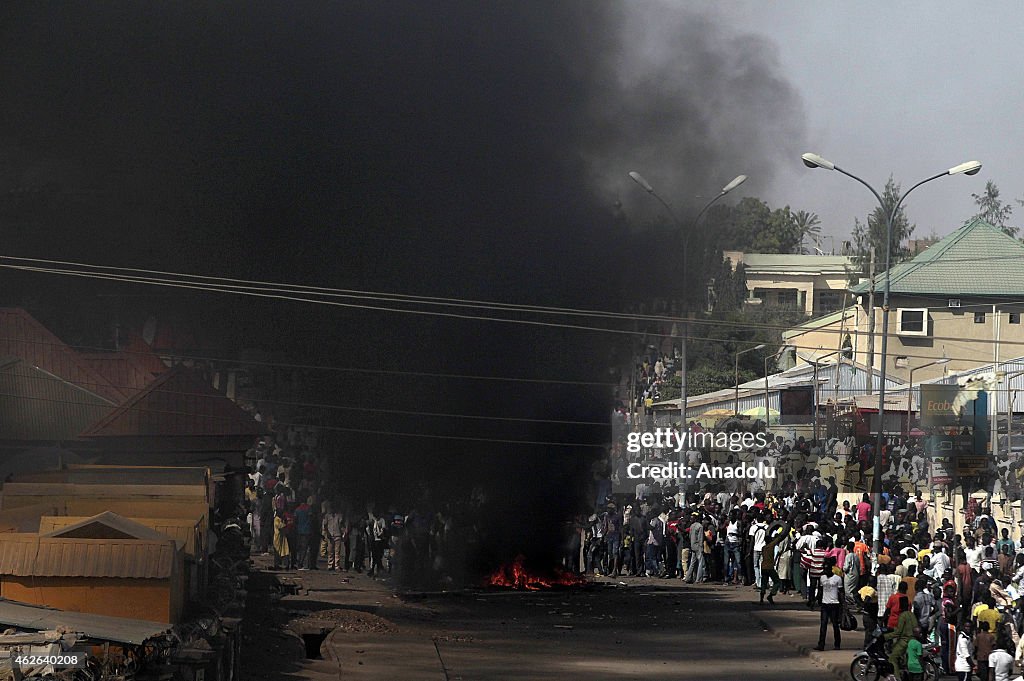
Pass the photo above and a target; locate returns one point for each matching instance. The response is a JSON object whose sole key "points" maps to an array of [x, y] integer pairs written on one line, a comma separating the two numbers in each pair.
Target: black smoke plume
{"points": [[465, 149]]}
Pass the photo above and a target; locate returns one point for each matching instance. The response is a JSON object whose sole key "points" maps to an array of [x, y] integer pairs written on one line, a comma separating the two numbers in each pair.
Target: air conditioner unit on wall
{"points": [[954, 302]]}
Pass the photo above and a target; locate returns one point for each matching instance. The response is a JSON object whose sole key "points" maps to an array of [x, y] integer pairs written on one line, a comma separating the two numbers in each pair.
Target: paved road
{"points": [[648, 629]]}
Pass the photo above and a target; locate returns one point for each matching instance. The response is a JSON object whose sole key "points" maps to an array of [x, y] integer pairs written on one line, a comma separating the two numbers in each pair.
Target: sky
{"points": [[905, 88]]}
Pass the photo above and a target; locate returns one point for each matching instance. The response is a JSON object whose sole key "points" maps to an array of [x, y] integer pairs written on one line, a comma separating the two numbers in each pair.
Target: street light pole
{"points": [[647, 187], [767, 412], [736, 404], [816, 161]]}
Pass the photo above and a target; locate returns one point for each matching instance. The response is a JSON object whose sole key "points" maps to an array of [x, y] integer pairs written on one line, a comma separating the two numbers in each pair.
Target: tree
{"points": [[752, 226], [872, 234], [993, 210], [809, 226]]}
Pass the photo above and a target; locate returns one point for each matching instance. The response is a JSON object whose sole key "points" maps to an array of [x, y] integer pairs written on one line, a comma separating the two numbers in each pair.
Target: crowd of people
{"points": [[297, 519], [929, 584]]}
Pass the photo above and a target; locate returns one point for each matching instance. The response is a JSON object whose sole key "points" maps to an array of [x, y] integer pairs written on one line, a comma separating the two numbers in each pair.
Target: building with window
{"points": [[961, 299], [816, 284]]}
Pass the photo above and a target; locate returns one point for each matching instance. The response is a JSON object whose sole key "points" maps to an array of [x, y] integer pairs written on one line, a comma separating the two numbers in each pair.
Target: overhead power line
{"points": [[339, 407]]}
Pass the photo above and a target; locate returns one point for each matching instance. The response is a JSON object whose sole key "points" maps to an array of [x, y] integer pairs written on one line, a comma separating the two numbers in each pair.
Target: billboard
{"points": [[796, 405], [958, 443]]}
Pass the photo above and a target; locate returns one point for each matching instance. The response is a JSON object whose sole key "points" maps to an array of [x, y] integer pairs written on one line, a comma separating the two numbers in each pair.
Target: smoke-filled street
{"points": [[493, 339]]}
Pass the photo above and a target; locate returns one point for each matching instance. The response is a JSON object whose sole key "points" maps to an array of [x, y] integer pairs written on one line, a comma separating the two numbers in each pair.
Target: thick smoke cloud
{"points": [[468, 149]]}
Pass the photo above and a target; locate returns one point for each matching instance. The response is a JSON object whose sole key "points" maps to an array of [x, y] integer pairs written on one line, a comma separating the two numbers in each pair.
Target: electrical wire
{"points": [[316, 405], [337, 428], [741, 325], [310, 367]]}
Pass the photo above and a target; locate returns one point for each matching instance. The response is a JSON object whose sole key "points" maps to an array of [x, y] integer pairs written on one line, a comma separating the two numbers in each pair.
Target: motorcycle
{"points": [[872, 663]]}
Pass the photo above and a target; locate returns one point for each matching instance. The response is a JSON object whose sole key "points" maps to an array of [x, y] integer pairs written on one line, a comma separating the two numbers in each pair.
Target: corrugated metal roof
{"points": [[977, 259], [92, 474], [69, 490], [819, 322], [30, 555], [797, 264], [185, 532], [178, 403], [843, 380], [106, 525], [36, 405], [97, 627], [22, 336], [1007, 389]]}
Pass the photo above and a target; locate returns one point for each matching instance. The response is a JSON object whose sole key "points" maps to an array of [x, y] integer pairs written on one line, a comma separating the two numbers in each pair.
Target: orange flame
{"points": [[515, 575]]}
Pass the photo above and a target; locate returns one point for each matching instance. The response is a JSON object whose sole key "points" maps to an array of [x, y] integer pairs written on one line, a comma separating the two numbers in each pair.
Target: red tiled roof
{"points": [[24, 337], [143, 355], [178, 403], [123, 370]]}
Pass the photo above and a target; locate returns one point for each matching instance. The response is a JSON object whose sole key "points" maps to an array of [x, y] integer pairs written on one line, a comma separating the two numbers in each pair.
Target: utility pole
{"points": [[871, 321]]}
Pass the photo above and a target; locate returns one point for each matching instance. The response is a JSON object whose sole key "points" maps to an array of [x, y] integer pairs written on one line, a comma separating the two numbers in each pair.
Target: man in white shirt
{"points": [[939, 562], [758, 531], [964, 652], [258, 476], [1000, 663], [974, 554], [831, 583]]}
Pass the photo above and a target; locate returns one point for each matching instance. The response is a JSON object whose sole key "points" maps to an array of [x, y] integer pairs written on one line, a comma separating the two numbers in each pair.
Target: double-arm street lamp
{"points": [[736, 405], [647, 187], [967, 168]]}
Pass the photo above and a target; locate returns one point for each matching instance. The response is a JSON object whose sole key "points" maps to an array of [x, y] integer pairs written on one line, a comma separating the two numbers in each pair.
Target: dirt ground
{"points": [[613, 629]]}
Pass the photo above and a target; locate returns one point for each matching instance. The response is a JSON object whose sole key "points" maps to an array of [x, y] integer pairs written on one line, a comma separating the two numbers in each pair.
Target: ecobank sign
{"points": [[937, 405]]}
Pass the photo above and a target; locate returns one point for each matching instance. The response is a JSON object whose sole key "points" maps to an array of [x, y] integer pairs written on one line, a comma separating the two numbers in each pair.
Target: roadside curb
{"points": [[839, 672]]}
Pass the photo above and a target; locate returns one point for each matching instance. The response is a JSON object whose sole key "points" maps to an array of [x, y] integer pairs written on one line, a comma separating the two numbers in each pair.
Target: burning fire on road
{"points": [[516, 575]]}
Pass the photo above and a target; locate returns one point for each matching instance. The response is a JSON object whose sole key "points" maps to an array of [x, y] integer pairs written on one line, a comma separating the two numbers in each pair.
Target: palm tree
{"points": [[809, 226]]}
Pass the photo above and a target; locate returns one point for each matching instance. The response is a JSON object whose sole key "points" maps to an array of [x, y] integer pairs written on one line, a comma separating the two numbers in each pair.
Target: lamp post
{"points": [[736, 402], [647, 187], [816, 161], [767, 409], [910, 391]]}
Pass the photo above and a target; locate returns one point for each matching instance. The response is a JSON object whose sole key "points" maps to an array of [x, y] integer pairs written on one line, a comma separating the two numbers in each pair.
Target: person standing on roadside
{"points": [[695, 569], [768, 569], [964, 664], [282, 552], [830, 587], [303, 534], [332, 528], [758, 534]]}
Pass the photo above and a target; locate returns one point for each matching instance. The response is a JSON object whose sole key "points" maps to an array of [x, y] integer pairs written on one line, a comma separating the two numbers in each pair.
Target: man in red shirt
{"points": [[892, 606], [864, 509]]}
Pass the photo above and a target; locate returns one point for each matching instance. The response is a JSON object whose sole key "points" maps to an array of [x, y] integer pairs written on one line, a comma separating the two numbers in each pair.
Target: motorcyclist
{"points": [[901, 635]]}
